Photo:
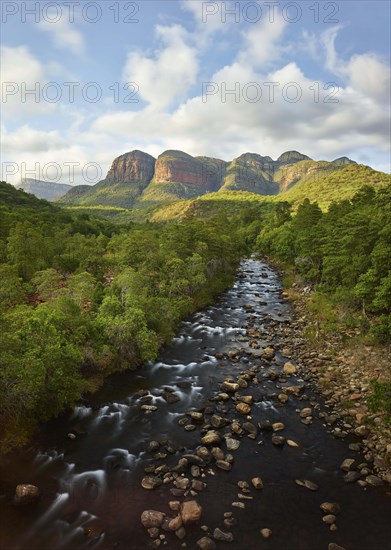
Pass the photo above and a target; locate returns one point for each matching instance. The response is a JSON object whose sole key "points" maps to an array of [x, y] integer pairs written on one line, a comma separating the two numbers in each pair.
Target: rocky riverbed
{"points": [[225, 442]]}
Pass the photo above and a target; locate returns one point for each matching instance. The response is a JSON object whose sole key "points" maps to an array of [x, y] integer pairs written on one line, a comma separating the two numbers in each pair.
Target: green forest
{"points": [[82, 297]]}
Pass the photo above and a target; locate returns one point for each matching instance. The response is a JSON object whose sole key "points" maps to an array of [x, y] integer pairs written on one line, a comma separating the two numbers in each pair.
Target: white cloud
{"points": [[327, 40], [21, 71], [64, 35], [167, 74], [262, 43], [34, 141], [368, 75]]}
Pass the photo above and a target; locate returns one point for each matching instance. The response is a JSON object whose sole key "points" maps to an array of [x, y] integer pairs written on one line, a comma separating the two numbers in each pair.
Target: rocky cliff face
{"points": [[251, 172], [134, 167], [179, 167]]}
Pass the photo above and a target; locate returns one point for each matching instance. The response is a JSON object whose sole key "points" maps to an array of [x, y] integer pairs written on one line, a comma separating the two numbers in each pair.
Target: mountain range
{"points": [[140, 183], [136, 179]]}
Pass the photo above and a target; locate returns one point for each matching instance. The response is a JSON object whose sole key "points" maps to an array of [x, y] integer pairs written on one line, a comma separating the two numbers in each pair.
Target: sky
{"points": [[84, 82]]}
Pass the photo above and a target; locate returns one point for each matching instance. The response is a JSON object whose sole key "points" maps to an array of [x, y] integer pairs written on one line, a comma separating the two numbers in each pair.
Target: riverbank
{"points": [[342, 366]]}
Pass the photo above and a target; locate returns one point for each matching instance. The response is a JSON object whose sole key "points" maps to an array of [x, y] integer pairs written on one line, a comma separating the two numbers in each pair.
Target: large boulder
{"points": [[191, 511], [152, 518]]}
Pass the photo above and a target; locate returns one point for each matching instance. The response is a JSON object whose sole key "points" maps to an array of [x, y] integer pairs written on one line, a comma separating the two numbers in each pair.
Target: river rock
{"points": [[329, 519], [293, 389], [217, 453], [374, 481], [283, 398], [152, 518], [250, 428], [245, 399], [229, 387], [292, 443], [170, 397], [244, 486], [198, 485], [351, 476], [257, 482], [153, 446], [148, 408], [182, 483], [306, 412], [242, 383], [206, 544], [307, 484], [210, 438], [181, 465], [181, 533], [224, 465], [194, 459], [347, 464], [278, 440], [330, 508], [232, 444], [289, 368], [266, 533], [190, 427], [278, 426], [218, 421], [243, 408], [195, 416], [237, 428], [183, 421], [172, 524], [268, 353], [222, 396], [153, 532], [195, 471], [238, 505], [203, 453], [333, 546], [361, 431], [26, 493], [191, 511], [150, 482], [218, 534]]}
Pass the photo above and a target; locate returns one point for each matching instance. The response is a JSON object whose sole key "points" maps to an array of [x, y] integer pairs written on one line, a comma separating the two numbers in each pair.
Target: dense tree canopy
{"points": [[81, 298]]}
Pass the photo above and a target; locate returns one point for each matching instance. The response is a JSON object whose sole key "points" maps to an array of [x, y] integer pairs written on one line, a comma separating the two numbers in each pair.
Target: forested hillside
{"points": [[81, 298], [344, 252]]}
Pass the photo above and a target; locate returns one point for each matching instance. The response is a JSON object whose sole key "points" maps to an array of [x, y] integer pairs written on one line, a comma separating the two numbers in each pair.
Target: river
{"points": [[91, 483]]}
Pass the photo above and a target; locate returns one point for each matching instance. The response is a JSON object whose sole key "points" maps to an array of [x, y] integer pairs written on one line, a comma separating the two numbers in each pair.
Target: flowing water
{"points": [[93, 481]]}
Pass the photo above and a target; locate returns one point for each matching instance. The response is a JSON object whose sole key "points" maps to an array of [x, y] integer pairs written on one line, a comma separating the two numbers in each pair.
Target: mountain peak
{"points": [[132, 167], [292, 156], [343, 161]]}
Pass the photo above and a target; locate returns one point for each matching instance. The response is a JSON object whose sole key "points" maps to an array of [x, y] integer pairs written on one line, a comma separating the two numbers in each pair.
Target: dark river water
{"points": [[94, 479]]}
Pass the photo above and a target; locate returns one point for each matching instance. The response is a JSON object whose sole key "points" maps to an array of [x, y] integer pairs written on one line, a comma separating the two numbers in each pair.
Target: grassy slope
{"points": [[342, 184], [306, 170], [335, 185]]}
